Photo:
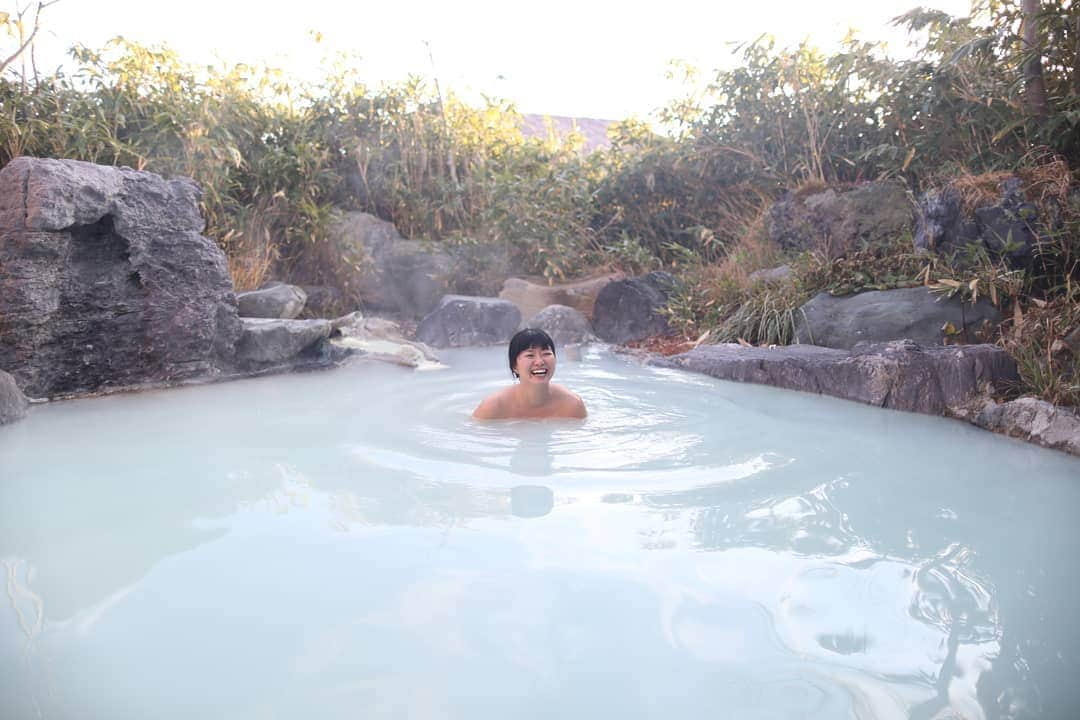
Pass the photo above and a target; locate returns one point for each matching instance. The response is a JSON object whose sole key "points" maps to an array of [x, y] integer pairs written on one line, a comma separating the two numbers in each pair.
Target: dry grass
{"points": [[977, 191], [753, 251], [251, 253], [1044, 176], [1044, 339]]}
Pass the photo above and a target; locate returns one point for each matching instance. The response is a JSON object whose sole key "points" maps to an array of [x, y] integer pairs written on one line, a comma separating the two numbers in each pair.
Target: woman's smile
{"points": [[536, 363]]}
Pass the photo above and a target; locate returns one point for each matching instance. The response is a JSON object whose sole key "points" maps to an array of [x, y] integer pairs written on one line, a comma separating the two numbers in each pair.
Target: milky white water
{"points": [[349, 544]]}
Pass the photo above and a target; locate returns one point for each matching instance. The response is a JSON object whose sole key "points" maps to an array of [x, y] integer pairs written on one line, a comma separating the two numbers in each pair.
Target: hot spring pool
{"points": [[350, 544]]}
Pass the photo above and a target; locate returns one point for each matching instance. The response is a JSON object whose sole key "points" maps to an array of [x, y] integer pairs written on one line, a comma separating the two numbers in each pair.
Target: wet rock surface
{"points": [[629, 309], [901, 375], [883, 315], [381, 339], [107, 280], [465, 321], [565, 325], [1030, 419], [13, 403]]}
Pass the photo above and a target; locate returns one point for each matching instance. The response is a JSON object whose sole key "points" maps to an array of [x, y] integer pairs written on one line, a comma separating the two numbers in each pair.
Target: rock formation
{"points": [[629, 309], [1030, 419], [394, 275], [565, 325], [883, 315], [269, 342], [1005, 229], [838, 220], [107, 280], [464, 321], [899, 375]]}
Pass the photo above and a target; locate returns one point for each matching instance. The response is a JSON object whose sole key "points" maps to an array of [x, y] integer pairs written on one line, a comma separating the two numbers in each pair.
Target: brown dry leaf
{"points": [[1040, 303], [1018, 320], [744, 343], [908, 159], [974, 287]]}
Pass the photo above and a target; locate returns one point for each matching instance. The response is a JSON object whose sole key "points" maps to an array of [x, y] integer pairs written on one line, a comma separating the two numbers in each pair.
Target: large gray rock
{"points": [[629, 309], [13, 403], [1030, 419], [565, 325], [393, 274], [838, 220], [900, 375], [882, 315], [275, 342], [279, 302], [463, 321], [107, 281], [1006, 229]]}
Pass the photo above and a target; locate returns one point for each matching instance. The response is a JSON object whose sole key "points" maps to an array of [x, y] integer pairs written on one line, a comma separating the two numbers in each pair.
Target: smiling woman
{"points": [[532, 361]]}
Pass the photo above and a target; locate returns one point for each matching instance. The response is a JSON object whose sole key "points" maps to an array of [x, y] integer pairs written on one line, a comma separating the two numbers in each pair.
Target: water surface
{"points": [[350, 544]]}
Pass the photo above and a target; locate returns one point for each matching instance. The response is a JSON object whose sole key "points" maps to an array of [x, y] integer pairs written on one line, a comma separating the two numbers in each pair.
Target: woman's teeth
{"points": [[539, 372]]}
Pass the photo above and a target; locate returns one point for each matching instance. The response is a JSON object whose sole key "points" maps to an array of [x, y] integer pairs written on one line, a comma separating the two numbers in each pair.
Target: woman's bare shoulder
{"points": [[492, 407], [571, 403]]}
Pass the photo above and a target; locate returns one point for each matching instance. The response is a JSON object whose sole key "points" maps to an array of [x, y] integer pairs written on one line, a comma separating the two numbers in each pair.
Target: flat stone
{"points": [[899, 375], [269, 341]]}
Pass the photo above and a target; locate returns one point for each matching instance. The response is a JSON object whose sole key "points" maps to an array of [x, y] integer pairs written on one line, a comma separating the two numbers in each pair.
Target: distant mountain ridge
{"points": [[593, 130]]}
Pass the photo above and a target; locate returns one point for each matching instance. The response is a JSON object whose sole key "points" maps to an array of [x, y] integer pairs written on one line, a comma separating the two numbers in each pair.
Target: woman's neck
{"points": [[535, 395]]}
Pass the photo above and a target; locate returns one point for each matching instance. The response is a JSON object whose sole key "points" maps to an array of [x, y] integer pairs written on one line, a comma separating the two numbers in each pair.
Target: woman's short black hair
{"points": [[526, 339]]}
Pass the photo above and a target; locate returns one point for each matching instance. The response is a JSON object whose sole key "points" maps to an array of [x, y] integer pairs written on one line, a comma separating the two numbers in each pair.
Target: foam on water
{"points": [[351, 544]]}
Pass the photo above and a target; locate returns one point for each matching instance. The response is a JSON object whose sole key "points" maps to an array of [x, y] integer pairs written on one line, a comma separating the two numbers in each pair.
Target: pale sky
{"points": [[587, 58]]}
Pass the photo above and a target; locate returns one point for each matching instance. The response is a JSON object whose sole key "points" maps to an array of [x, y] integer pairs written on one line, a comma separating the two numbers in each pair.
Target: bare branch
{"points": [[29, 39]]}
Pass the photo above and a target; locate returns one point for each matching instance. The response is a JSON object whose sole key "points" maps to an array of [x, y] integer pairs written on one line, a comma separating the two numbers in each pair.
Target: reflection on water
{"points": [[308, 547]]}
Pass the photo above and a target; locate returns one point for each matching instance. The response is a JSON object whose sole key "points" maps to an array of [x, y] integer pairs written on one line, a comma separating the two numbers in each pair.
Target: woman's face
{"points": [[535, 365]]}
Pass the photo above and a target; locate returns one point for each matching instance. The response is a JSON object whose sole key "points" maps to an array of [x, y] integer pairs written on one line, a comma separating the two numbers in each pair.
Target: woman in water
{"points": [[532, 361]]}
